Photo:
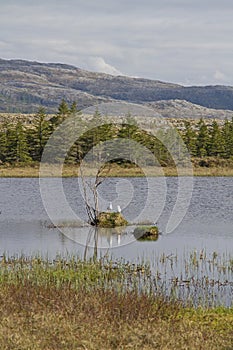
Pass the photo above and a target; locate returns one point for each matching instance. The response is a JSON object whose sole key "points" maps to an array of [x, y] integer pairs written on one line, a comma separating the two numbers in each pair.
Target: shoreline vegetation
{"points": [[100, 304], [117, 171], [123, 144]]}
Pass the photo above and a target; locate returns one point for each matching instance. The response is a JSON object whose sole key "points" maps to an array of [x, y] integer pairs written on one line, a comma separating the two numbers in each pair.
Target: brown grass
{"points": [[213, 171], [72, 304], [51, 318], [116, 171]]}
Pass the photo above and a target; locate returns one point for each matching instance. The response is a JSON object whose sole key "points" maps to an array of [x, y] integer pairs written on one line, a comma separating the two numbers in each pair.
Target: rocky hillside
{"points": [[182, 109], [24, 86]]}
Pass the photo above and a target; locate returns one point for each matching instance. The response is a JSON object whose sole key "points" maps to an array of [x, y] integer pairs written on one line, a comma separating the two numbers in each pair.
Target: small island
{"points": [[111, 219]]}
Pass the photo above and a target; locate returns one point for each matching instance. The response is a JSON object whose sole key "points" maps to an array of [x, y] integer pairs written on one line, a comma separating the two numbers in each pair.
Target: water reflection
{"points": [[103, 238]]}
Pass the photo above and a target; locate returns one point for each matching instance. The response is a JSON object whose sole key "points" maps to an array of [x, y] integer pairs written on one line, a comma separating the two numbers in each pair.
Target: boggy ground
{"points": [[87, 305], [35, 317]]}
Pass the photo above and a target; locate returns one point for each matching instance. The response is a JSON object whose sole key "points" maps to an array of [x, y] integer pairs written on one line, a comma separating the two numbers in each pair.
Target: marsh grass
{"points": [[196, 278], [103, 304], [116, 171]]}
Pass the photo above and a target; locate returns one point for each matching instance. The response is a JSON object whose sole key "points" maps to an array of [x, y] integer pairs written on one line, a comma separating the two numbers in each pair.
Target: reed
{"points": [[68, 303]]}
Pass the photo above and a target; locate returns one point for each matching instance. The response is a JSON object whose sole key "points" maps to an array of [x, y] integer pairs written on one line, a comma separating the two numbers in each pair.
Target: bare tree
{"points": [[90, 191]]}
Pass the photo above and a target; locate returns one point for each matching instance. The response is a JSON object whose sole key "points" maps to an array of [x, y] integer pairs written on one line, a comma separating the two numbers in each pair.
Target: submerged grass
{"points": [[100, 304], [196, 278]]}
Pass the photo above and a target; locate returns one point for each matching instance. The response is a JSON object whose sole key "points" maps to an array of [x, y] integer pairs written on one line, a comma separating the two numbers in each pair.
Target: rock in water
{"points": [[146, 233]]}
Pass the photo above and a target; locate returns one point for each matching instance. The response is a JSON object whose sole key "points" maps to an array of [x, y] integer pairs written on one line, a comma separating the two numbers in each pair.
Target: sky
{"points": [[188, 42]]}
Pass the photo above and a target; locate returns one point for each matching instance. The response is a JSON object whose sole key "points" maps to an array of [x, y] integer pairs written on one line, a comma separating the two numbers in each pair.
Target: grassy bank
{"points": [[72, 304], [116, 170]]}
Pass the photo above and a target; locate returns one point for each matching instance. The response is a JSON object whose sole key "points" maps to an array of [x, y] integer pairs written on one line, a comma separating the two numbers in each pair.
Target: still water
{"points": [[193, 262], [25, 226]]}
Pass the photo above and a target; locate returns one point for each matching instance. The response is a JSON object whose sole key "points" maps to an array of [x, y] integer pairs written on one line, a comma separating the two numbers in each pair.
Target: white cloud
{"points": [[172, 40], [98, 64], [219, 76]]}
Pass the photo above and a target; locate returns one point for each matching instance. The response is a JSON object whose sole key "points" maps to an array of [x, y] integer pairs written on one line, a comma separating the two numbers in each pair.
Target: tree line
{"points": [[24, 145], [209, 141]]}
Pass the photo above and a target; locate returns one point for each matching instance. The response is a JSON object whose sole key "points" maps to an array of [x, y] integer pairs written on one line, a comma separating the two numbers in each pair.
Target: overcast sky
{"points": [[182, 41]]}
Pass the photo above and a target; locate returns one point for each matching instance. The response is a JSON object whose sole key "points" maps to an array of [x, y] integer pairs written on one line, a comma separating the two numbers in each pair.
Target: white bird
{"points": [[119, 209], [110, 206]]}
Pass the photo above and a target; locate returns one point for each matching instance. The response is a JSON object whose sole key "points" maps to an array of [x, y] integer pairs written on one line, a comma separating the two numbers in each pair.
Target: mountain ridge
{"points": [[27, 85]]}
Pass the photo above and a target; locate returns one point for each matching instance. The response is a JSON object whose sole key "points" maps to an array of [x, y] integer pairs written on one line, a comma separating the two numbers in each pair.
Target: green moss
{"points": [[107, 219], [146, 233]]}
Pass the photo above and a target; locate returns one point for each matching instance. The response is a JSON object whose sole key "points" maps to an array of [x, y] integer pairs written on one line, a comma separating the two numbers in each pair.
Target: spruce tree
{"points": [[129, 131], [76, 152], [22, 149], [11, 136], [216, 145], [17, 146], [74, 108], [3, 143], [203, 139], [227, 133], [39, 134], [62, 113], [189, 138]]}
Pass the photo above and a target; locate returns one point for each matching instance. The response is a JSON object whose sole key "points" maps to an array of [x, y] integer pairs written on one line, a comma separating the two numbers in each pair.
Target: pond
{"points": [[193, 261], [208, 223]]}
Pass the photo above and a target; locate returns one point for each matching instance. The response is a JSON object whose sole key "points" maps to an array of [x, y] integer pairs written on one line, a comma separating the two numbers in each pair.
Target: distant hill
{"points": [[25, 85], [183, 109]]}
